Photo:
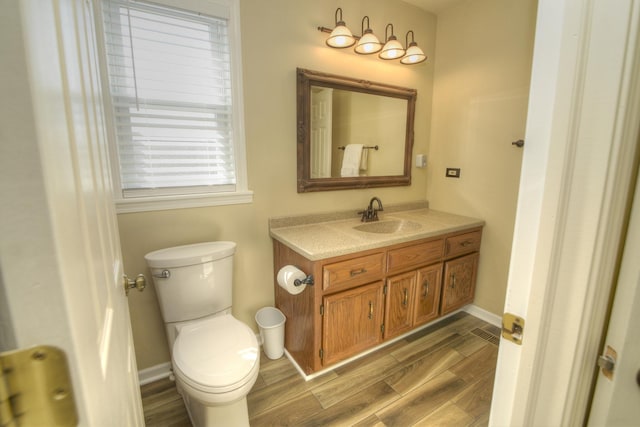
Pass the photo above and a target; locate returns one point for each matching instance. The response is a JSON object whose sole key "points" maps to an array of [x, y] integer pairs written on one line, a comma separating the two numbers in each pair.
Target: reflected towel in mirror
{"points": [[351, 160], [364, 160]]}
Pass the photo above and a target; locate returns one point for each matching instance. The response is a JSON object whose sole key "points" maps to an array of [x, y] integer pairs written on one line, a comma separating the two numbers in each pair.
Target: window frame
{"points": [[229, 9]]}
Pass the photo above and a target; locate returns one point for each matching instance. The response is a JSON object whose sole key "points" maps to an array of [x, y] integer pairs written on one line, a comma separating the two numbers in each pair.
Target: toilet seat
{"points": [[216, 355]]}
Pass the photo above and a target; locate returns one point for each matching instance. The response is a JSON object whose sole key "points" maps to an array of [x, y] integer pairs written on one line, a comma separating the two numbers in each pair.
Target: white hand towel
{"points": [[364, 159], [351, 160]]}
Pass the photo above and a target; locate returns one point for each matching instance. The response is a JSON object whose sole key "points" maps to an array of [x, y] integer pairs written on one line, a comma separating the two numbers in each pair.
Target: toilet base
{"points": [[234, 414]]}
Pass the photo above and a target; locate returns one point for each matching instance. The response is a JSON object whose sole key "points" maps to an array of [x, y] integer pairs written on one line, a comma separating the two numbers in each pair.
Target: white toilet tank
{"points": [[192, 281]]}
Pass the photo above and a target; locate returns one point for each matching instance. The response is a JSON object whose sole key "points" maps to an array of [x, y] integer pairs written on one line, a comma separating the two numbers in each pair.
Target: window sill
{"points": [[161, 203]]}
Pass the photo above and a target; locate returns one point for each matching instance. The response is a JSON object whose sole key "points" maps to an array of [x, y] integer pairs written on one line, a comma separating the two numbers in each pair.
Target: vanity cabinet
{"points": [[363, 299]]}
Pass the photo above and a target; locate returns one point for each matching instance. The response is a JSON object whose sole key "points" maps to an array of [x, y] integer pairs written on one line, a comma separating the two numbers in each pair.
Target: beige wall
{"points": [[481, 83], [277, 37]]}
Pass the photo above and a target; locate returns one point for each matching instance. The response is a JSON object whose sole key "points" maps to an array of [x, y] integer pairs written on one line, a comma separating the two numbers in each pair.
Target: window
{"points": [[174, 95]]}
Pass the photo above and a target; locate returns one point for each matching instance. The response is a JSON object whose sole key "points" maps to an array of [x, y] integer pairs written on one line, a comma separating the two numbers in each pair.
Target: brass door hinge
{"points": [[512, 328], [35, 388]]}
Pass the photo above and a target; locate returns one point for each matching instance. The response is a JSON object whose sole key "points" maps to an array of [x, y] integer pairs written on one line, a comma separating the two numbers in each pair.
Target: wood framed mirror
{"points": [[352, 133]]}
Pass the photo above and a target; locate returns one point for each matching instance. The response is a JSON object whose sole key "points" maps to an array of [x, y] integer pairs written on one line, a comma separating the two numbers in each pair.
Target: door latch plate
{"points": [[512, 328]]}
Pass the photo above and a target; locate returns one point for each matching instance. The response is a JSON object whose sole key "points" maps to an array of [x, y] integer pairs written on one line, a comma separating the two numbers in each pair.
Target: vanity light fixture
{"points": [[340, 36], [368, 42], [413, 55], [392, 48]]}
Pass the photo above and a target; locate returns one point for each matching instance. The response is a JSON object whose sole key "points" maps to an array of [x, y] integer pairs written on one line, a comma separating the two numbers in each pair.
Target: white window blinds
{"points": [[170, 86]]}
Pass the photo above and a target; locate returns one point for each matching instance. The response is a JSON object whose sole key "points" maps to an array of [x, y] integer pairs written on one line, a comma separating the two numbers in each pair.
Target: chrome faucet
{"points": [[371, 213]]}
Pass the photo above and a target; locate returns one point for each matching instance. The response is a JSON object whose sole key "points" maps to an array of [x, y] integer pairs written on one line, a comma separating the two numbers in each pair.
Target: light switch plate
{"points": [[421, 160]]}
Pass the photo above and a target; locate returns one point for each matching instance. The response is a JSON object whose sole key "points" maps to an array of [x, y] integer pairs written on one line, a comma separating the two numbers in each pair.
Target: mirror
{"points": [[352, 133]]}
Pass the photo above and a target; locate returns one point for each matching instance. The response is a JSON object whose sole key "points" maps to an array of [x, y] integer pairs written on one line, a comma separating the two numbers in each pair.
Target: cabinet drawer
{"points": [[462, 244], [414, 256], [353, 272]]}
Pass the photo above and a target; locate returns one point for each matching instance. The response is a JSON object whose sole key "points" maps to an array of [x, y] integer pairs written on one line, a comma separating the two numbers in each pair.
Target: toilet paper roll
{"points": [[287, 277]]}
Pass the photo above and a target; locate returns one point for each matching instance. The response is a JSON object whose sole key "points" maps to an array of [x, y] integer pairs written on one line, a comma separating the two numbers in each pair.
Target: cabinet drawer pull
{"points": [[356, 272], [453, 281], [405, 301], [370, 310], [466, 243], [425, 286]]}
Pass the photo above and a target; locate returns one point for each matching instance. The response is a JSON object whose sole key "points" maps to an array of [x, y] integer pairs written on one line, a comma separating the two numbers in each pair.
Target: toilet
{"points": [[215, 357]]}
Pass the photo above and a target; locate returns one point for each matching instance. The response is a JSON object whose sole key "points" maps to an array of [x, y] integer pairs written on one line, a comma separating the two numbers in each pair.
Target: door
{"points": [[398, 317], [351, 322], [576, 178], [320, 135], [427, 294], [615, 401], [61, 263], [459, 283]]}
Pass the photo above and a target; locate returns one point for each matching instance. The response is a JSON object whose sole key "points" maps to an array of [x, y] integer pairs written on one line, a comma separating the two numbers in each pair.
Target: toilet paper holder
{"points": [[306, 281]]}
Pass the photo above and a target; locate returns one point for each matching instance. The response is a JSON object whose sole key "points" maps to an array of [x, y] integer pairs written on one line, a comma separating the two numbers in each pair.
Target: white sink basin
{"points": [[388, 227]]}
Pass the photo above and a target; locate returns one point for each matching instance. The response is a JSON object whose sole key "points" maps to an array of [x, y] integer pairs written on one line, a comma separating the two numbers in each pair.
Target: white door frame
{"points": [[581, 140]]}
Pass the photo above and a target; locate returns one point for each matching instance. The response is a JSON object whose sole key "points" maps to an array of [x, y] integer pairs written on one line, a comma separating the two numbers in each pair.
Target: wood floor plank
{"points": [[448, 415], [273, 371], [355, 408], [422, 370], [477, 365], [460, 327], [423, 400], [370, 358], [283, 391], [289, 413], [370, 421], [475, 400], [439, 325], [469, 344], [481, 421], [422, 347], [355, 380]]}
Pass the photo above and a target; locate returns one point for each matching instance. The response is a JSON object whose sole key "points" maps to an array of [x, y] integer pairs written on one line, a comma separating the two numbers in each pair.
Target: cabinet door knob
{"points": [[370, 310], [405, 300]]}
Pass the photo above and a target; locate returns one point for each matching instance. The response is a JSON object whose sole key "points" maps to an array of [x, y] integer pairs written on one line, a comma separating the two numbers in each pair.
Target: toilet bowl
{"points": [[216, 362], [215, 357]]}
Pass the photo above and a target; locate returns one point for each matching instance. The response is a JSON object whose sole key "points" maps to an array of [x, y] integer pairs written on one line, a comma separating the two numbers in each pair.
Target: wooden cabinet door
{"points": [[427, 294], [352, 322], [399, 304], [459, 282]]}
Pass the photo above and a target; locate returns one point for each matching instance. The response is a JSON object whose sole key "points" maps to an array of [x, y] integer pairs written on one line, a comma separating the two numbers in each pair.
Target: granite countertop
{"points": [[323, 236]]}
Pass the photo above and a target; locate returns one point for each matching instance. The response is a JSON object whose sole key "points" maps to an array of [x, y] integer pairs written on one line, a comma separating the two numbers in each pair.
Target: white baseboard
{"points": [[154, 373], [483, 314]]}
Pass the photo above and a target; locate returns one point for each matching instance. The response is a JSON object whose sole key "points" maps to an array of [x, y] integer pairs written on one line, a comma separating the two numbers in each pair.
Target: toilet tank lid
{"points": [[197, 253]]}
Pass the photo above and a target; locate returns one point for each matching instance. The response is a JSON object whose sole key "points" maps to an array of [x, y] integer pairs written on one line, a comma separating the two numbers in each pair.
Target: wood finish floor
{"points": [[440, 376]]}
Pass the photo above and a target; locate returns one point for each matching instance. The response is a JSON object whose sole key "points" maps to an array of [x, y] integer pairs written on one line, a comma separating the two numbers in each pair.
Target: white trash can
{"points": [[271, 323]]}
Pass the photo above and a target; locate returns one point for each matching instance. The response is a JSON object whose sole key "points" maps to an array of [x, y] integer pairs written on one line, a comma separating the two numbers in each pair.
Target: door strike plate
{"points": [[512, 328]]}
